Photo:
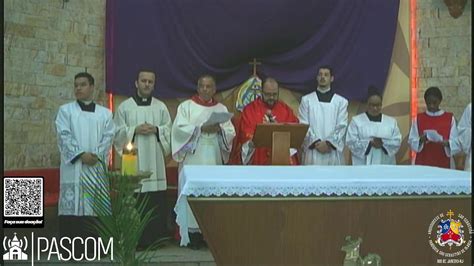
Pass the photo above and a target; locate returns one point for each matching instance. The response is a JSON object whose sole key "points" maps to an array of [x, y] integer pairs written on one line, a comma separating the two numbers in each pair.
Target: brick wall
{"points": [[444, 48], [45, 44]]}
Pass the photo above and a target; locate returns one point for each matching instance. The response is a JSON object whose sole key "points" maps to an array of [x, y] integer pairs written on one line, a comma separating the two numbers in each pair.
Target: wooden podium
{"points": [[280, 137]]}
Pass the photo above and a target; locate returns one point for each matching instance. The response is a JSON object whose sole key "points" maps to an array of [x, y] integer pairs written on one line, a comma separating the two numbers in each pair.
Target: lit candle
{"points": [[129, 160]]}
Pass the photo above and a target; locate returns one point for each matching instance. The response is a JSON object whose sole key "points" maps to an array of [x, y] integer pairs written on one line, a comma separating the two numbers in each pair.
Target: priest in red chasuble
{"points": [[267, 109]]}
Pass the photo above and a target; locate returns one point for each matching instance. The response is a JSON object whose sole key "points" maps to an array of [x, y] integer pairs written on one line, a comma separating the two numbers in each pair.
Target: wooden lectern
{"points": [[280, 137]]}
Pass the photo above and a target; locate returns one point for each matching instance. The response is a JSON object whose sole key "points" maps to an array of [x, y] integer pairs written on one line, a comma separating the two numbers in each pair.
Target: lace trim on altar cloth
{"points": [[351, 190]]}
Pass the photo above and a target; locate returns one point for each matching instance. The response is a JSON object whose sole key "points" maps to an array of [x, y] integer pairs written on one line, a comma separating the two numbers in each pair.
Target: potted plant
{"points": [[120, 214]]}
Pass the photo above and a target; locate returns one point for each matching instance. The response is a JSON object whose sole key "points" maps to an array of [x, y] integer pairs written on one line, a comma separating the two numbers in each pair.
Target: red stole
{"points": [[433, 153], [253, 114], [195, 98]]}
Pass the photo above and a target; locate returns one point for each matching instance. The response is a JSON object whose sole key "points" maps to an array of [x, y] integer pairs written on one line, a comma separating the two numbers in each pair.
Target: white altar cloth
{"points": [[273, 181]]}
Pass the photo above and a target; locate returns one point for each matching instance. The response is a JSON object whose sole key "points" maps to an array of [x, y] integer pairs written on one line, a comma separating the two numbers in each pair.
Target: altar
{"points": [[287, 215]]}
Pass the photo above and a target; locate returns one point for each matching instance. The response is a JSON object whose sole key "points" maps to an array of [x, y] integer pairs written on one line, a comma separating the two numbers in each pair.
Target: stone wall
{"points": [[46, 42], [444, 48]]}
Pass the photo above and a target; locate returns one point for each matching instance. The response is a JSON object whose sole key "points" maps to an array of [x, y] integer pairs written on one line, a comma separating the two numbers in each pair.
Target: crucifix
{"points": [[254, 64]]}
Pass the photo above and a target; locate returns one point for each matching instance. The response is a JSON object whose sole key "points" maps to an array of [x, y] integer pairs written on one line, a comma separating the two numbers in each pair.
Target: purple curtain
{"points": [[183, 39]]}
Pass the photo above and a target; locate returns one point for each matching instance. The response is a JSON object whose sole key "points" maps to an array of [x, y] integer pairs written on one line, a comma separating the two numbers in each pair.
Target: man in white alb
{"points": [[326, 114], [145, 121], [465, 135], [195, 143], [85, 131]]}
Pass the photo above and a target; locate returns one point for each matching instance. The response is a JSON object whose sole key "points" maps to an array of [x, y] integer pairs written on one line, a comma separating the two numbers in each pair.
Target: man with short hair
{"points": [[326, 114], [145, 121], [268, 109], [85, 131], [194, 143]]}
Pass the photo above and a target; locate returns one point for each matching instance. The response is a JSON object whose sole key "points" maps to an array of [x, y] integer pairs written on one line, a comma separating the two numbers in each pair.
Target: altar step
{"points": [[173, 255]]}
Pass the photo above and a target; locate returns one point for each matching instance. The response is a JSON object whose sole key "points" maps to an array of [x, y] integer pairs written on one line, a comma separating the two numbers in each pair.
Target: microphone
{"points": [[269, 116]]}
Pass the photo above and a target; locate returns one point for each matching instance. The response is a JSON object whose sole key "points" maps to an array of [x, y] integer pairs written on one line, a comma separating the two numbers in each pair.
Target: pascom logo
{"points": [[15, 248]]}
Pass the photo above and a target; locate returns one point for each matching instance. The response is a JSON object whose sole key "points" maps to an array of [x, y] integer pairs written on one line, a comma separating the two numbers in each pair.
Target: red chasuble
{"points": [[235, 154], [253, 114], [433, 153]]}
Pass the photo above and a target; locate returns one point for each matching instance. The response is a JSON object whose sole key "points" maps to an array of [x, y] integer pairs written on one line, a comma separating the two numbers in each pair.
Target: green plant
{"points": [[120, 214]]}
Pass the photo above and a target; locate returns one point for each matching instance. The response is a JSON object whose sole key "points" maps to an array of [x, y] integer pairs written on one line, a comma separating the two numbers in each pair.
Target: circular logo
{"points": [[450, 234]]}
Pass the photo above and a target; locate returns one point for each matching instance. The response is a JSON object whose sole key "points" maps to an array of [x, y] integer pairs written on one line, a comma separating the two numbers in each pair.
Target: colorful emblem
{"points": [[450, 231], [250, 90]]}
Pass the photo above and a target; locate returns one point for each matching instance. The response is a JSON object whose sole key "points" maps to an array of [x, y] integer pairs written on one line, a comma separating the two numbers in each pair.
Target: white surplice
{"points": [[80, 131], [361, 131], [151, 152], [327, 122], [191, 146], [452, 149], [465, 134]]}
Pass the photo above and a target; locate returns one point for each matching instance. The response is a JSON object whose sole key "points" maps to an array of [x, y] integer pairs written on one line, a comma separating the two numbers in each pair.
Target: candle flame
{"points": [[129, 146]]}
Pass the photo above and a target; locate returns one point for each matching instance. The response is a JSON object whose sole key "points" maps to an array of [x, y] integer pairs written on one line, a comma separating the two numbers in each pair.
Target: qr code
{"points": [[22, 196]]}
